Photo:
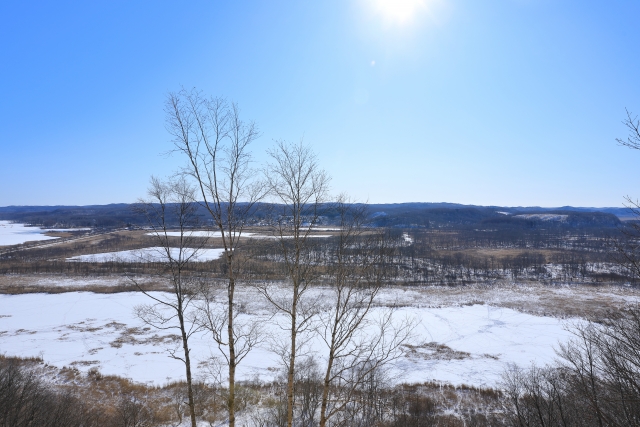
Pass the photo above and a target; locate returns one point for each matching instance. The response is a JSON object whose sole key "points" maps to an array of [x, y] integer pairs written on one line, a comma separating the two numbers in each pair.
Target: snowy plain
{"points": [[15, 234], [85, 330], [152, 254], [217, 234]]}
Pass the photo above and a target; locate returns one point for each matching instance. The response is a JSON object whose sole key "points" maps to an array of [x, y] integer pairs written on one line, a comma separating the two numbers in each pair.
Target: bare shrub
{"points": [[133, 412], [596, 382], [25, 401]]}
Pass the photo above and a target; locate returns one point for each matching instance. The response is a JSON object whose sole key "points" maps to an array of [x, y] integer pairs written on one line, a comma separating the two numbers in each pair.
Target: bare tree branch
{"points": [[632, 124], [298, 187], [215, 141], [170, 207]]}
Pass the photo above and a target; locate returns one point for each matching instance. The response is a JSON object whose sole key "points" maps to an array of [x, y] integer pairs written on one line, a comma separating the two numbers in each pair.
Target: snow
{"points": [[87, 330], [492, 336], [15, 234], [153, 254], [323, 236], [544, 217], [81, 327], [217, 234], [83, 283], [67, 229], [199, 233]]}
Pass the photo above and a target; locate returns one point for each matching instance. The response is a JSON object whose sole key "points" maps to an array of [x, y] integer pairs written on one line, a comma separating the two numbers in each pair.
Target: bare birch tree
{"points": [[215, 142], [171, 216], [629, 252], [358, 341], [298, 187]]}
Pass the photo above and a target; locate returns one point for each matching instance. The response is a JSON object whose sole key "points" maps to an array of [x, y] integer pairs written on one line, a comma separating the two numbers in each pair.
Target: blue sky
{"points": [[512, 102]]}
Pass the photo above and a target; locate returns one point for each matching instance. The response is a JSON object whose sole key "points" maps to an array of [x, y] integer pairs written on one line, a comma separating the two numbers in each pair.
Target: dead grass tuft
{"points": [[435, 351]]}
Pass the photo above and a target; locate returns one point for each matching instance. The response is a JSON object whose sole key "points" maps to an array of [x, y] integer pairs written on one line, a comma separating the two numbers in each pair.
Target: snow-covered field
{"points": [[153, 254], [199, 233], [217, 234], [85, 330], [491, 336], [15, 234], [45, 283]]}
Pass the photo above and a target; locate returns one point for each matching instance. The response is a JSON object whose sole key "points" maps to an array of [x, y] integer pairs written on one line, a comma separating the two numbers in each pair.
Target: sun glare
{"points": [[399, 11]]}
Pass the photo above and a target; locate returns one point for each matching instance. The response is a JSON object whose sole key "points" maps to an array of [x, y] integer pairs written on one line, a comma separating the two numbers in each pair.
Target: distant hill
{"points": [[621, 213], [114, 215], [400, 215], [434, 215]]}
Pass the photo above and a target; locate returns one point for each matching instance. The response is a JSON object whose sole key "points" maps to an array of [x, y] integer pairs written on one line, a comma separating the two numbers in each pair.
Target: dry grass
{"points": [[434, 351], [567, 301], [499, 254], [166, 403], [14, 284], [455, 405]]}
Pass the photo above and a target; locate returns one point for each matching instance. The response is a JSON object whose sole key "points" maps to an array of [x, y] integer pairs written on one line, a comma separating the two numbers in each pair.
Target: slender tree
{"points": [[172, 216], [215, 141], [358, 342], [298, 188]]}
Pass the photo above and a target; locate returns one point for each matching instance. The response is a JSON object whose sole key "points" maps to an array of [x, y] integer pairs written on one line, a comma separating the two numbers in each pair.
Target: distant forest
{"points": [[402, 215]]}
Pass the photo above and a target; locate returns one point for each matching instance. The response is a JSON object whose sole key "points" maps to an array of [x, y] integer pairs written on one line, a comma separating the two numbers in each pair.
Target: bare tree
{"points": [[168, 208], [28, 401], [215, 141], [298, 187], [596, 381], [133, 412], [629, 252], [359, 342], [633, 125]]}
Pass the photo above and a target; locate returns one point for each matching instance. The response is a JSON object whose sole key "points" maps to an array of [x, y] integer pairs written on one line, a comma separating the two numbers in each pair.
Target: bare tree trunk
{"points": [[171, 206], [326, 384], [210, 133], [298, 187], [292, 358], [187, 363], [232, 352]]}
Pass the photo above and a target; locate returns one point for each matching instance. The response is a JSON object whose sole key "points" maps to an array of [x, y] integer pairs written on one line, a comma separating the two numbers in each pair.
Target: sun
{"points": [[399, 11]]}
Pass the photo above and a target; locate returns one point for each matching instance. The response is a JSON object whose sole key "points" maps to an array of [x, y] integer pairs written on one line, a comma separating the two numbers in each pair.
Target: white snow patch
{"points": [[492, 336], [15, 234], [200, 233], [153, 254], [544, 217], [217, 234], [80, 282], [67, 229], [262, 236]]}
